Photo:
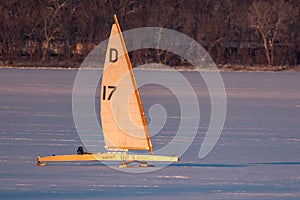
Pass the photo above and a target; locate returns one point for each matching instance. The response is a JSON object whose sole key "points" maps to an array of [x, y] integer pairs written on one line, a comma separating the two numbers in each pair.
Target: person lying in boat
{"points": [[80, 151]]}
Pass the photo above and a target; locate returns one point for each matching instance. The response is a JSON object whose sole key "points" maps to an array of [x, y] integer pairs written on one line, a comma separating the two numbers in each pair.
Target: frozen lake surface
{"points": [[256, 157]]}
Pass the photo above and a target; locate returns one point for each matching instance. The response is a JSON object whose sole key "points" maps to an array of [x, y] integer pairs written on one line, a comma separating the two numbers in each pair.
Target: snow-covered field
{"points": [[256, 157]]}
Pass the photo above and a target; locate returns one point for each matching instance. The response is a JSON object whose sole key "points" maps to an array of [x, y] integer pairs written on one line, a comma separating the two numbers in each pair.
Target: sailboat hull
{"points": [[106, 157]]}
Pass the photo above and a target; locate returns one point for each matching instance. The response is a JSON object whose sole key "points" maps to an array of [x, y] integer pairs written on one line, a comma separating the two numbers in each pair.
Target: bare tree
{"points": [[9, 26], [271, 19], [52, 23]]}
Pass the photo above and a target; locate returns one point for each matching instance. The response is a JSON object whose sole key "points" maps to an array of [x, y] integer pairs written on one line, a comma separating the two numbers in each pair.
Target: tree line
{"points": [[63, 32]]}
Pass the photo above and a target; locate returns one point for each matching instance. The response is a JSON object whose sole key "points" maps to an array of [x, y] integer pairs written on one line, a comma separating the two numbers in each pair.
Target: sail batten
{"points": [[123, 121]]}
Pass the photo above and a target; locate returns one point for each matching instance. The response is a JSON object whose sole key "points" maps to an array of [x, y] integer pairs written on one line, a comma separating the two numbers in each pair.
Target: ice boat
{"points": [[122, 116]]}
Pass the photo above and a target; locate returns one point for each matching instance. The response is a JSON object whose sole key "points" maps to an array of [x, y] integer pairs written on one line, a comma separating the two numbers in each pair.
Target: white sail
{"points": [[122, 117]]}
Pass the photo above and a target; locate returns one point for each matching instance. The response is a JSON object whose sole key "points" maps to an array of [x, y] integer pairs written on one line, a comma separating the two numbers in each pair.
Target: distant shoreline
{"points": [[222, 68]]}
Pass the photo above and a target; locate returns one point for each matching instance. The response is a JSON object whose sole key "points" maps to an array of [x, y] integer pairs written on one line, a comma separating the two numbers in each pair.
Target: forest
{"points": [[234, 32]]}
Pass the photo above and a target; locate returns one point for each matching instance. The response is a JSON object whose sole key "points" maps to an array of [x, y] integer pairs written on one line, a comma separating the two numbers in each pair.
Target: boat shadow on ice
{"points": [[231, 165]]}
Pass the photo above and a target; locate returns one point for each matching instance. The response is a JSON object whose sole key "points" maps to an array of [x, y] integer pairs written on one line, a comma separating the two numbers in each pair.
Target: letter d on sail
{"points": [[113, 55]]}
